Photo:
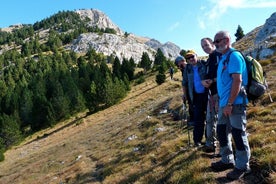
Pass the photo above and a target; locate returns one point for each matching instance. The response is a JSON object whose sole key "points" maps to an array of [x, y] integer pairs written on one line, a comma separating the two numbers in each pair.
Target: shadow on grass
{"points": [[45, 135]]}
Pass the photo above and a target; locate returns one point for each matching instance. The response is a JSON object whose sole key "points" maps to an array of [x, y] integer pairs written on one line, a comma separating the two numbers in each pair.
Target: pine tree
{"points": [[239, 34], [159, 57], [145, 62]]}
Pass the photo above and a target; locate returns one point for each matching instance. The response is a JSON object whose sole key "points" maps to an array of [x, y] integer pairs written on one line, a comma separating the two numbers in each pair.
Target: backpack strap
{"points": [[226, 61], [243, 88]]}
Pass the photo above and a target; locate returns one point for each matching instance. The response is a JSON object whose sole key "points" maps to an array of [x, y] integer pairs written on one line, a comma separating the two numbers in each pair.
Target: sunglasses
{"points": [[218, 40], [191, 57]]}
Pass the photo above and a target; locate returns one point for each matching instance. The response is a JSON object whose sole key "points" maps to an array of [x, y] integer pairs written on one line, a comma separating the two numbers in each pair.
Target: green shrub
{"points": [[160, 78]]}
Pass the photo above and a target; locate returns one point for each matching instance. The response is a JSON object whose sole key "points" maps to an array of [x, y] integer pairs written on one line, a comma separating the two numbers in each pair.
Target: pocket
{"points": [[239, 109]]}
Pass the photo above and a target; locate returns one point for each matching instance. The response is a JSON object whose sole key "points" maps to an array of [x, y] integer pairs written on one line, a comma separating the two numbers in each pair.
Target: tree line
{"points": [[39, 89]]}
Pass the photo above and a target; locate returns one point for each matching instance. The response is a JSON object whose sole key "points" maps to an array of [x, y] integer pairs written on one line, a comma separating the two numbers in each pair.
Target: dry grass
{"points": [[133, 142]]}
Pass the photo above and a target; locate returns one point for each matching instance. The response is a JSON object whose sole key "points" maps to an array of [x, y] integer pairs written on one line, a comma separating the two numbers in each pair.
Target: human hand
{"points": [[227, 111], [206, 83]]}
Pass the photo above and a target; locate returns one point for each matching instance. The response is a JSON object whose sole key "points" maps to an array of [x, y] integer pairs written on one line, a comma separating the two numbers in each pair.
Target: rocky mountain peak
{"points": [[120, 44], [268, 31], [260, 42], [99, 19]]}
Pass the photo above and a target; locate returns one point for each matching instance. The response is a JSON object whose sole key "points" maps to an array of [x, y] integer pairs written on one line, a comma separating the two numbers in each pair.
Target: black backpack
{"points": [[256, 86]]}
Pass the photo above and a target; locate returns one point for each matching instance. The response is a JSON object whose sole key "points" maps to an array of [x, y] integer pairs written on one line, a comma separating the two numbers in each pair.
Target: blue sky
{"points": [[183, 22]]}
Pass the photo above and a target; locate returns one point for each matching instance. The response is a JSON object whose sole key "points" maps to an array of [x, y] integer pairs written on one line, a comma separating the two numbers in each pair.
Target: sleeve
{"points": [[235, 63]]}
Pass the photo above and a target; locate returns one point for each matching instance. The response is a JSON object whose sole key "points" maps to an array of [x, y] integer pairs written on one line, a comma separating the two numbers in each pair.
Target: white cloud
{"points": [[174, 26], [201, 24], [220, 7], [217, 8]]}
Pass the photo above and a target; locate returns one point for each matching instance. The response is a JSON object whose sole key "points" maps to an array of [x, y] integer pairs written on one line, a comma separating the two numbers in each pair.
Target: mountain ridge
{"points": [[126, 45], [133, 142]]}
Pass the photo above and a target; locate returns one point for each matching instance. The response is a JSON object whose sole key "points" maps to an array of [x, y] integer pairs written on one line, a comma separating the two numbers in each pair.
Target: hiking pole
{"points": [[184, 115], [185, 121], [268, 91], [189, 140]]}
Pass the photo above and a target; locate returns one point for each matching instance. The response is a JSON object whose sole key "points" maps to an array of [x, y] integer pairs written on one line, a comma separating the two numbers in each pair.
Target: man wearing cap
{"points": [[181, 63], [193, 76]]}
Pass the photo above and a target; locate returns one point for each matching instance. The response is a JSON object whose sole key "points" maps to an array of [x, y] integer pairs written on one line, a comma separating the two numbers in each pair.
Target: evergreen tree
{"points": [[239, 34], [128, 68], [116, 68], [161, 76], [10, 133], [159, 57], [145, 62], [183, 52]]}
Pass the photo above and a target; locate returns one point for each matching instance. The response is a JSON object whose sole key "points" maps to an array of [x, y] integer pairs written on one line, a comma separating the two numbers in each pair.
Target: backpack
{"points": [[256, 86]]}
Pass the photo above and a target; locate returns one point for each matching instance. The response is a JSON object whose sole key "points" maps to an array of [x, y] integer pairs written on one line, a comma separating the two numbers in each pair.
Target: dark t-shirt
{"points": [[212, 66]]}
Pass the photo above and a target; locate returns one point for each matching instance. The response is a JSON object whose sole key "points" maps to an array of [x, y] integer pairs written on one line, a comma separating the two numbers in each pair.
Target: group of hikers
{"points": [[213, 90]]}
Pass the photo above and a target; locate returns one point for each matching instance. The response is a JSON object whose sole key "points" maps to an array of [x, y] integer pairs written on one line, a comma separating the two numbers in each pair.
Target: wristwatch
{"points": [[230, 104]]}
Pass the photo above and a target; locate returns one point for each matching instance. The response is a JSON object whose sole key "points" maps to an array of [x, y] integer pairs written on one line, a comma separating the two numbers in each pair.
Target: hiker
{"points": [[194, 74], [171, 72], [181, 63], [232, 110], [211, 83]]}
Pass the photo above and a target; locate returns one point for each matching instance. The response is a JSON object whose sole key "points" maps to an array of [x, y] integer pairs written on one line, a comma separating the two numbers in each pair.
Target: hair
{"points": [[208, 39], [224, 34]]}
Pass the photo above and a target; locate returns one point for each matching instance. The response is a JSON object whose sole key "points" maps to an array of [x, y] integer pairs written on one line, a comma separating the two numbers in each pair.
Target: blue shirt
{"points": [[236, 65], [199, 88]]}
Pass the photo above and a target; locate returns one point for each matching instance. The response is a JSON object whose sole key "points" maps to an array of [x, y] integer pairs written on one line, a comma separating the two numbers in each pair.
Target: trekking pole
{"points": [[214, 134], [268, 91], [184, 121], [189, 140]]}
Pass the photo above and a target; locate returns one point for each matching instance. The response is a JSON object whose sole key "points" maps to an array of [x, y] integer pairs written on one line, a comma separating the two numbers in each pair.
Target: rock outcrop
{"points": [[122, 45], [260, 42]]}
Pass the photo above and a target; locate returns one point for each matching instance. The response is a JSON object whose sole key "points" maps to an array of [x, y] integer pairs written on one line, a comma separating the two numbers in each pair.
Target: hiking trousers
{"points": [[211, 120], [199, 116], [234, 125]]}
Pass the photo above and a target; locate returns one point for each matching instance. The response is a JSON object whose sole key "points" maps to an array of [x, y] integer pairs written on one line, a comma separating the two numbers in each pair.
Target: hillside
{"points": [[135, 141]]}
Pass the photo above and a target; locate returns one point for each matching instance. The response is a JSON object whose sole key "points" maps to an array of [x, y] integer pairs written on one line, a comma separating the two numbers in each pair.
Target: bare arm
{"points": [[235, 89]]}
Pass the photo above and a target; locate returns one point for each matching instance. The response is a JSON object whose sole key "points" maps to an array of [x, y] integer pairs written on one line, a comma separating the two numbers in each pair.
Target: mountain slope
{"points": [[136, 141]]}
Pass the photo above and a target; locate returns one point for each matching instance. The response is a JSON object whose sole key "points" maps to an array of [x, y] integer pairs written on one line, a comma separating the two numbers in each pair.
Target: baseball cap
{"points": [[178, 59], [190, 53]]}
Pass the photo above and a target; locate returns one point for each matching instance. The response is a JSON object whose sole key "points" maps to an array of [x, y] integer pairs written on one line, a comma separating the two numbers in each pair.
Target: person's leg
{"points": [[191, 109], [209, 125], [224, 137], [238, 123], [199, 116], [211, 121]]}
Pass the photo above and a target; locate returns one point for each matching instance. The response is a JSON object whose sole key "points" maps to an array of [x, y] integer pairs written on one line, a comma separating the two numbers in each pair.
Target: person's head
{"points": [[222, 41], [180, 62], [191, 57], [207, 45]]}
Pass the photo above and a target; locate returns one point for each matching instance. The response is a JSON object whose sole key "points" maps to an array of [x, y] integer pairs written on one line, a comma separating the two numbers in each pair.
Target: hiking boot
{"points": [[209, 149], [220, 166], [237, 173], [198, 144], [190, 123]]}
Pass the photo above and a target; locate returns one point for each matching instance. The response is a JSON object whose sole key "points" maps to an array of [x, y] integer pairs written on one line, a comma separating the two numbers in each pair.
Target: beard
{"points": [[221, 49]]}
